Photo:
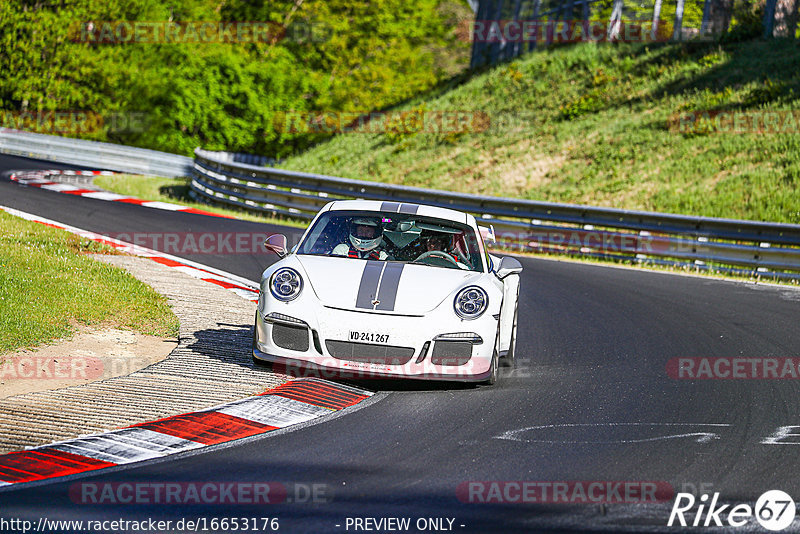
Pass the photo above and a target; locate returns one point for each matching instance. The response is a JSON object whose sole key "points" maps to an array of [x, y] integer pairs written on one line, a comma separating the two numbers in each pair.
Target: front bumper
{"points": [[312, 332], [302, 367]]}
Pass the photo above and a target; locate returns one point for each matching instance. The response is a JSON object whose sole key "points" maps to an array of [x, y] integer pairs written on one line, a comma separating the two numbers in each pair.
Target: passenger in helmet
{"points": [[438, 242], [365, 240]]}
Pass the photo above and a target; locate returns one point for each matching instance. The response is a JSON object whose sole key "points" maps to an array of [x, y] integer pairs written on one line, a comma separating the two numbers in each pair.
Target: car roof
{"points": [[402, 207]]}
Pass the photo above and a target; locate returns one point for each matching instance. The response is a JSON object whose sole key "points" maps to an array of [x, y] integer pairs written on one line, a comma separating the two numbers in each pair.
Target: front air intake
{"points": [[292, 337], [451, 352], [369, 353]]}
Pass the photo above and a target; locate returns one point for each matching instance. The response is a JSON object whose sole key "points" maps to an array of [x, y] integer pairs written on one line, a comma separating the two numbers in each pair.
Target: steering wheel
{"points": [[436, 254]]}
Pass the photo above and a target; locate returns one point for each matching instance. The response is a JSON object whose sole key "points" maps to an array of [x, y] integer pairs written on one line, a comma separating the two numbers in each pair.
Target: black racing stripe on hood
{"points": [[410, 209], [390, 206], [387, 294], [368, 287]]}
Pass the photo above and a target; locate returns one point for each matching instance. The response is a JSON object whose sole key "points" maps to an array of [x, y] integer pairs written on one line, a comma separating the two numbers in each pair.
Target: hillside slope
{"points": [[590, 124]]}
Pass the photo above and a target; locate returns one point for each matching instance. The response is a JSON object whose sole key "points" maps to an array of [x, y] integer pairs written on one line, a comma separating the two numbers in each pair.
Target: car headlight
{"points": [[285, 284], [471, 302]]}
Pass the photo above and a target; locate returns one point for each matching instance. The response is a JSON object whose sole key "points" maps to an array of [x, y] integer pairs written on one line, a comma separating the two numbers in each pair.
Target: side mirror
{"points": [[508, 266], [276, 243]]}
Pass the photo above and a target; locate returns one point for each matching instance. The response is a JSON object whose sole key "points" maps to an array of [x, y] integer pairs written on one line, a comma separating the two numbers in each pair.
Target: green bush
{"points": [[747, 21], [583, 105], [336, 55]]}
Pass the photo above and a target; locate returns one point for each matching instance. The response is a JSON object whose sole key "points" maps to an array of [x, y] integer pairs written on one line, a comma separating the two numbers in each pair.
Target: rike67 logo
{"points": [[774, 510]]}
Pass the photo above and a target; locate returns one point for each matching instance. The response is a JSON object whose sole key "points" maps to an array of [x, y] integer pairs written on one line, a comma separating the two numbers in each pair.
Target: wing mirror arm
{"points": [[276, 243]]}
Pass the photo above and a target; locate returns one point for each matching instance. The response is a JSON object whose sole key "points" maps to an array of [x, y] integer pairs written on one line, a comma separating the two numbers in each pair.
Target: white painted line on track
{"points": [[104, 195], [163, 206], [60, 187], [274, 411], [127, 445]]}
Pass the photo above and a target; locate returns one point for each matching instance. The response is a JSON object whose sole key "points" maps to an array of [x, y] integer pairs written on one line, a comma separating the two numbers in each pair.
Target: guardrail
{"points": [[93, 154], [760, 248], [750, 247]]}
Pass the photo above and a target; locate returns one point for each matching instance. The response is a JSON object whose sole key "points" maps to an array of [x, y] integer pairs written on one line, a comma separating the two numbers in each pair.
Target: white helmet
{"points": [[365, 234]]}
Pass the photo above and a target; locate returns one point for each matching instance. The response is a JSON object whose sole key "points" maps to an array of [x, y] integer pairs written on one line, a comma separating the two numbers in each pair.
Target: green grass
{"points": [[588, 124], [48, 285], [176, 190]]}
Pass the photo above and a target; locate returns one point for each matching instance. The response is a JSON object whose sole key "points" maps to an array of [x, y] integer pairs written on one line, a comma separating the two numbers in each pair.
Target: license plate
{"points": [[369, 337]]}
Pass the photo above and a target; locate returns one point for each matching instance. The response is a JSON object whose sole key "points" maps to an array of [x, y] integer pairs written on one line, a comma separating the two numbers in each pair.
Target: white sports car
{"points": [[387, 289]]}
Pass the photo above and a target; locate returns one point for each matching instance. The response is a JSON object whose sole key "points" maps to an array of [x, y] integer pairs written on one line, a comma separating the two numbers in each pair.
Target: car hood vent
{"points": [[383, 287]]}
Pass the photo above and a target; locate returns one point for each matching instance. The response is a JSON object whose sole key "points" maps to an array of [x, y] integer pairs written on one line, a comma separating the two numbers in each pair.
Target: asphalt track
{"points": [[591, 387]]}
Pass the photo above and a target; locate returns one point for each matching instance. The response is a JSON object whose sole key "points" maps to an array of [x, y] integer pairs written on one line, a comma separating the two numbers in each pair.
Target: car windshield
{"points": [[391, 236]]}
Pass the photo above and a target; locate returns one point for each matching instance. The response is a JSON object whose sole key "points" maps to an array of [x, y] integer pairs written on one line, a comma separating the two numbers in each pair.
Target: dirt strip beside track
{"points": [[212, 364]]}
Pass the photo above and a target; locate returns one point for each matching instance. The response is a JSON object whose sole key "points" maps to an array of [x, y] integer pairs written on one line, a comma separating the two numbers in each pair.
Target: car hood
{"points": [[400, 288]]}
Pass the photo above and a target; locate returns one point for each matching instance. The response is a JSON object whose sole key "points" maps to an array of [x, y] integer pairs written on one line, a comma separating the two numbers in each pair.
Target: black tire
{"points": [[508, 359], [262, 363]]}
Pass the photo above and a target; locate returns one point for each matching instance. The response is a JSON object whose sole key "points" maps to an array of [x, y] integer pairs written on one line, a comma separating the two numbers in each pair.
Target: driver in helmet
{"points": [[366, 237], [438, 242]]}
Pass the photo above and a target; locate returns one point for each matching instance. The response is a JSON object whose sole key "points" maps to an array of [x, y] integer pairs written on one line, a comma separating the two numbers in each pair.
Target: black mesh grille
{"points": [[451, 352], [368, 353], [290, 337]]}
